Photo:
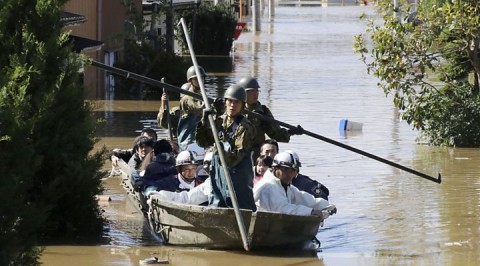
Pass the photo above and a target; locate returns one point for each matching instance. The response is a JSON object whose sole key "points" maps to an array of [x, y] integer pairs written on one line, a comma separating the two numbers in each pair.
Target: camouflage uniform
{"points": [[190, 114], [236, 138], [162, 119], [273, 130]]}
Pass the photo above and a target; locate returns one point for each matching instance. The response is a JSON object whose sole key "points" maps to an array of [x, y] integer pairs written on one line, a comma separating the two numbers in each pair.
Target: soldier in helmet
{"points": [[275, 193], [190, 110], [262, 127], [235, 133]]}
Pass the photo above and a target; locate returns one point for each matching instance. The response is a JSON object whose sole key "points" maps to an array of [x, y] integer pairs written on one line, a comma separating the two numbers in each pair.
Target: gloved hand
{"points": [[317, 213], [205, 115], [330, 210], [219, 105], [296, 131], [326, 212]]}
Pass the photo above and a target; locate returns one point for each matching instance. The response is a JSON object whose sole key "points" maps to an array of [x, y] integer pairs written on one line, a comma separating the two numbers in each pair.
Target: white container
{"points": [[347, 125]]}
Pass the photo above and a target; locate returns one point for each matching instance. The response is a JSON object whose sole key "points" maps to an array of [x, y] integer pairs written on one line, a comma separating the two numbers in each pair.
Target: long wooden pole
{"points": [[233, 196], [166, 108], [154, 82]]}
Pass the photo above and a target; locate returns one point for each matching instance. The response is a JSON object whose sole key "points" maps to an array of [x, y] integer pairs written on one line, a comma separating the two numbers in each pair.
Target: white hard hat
{"points": [[197, 151], [285, 159], [295, 156], [185, 158]]}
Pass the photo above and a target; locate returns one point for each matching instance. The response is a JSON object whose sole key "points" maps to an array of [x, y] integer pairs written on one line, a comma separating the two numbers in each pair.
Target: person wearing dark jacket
{"points": [[162, 167], [263, 127]]}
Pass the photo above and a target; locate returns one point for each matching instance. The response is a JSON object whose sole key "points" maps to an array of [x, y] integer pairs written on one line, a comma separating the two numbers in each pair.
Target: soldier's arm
{"points": [[203, 135], [273, 130], [193, 106], [162, 118]]}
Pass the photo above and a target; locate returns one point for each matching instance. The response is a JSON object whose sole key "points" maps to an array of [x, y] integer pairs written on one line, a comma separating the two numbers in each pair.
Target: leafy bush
{"points": [[430, 62], [212, 32]]}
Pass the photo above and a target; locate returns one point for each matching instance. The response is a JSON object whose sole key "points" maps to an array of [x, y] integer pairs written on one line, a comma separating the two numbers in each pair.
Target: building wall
{"points": [[105, 22]]}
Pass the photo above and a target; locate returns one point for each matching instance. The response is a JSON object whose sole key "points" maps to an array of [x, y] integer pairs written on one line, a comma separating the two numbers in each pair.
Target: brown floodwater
{"points": [[310, 76]]}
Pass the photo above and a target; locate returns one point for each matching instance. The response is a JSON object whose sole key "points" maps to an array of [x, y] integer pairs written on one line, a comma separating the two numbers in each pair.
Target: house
{"points": [[98, 28]]}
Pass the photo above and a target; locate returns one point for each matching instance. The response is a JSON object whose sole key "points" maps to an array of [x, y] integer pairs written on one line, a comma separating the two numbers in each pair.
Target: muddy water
{"points": [[310, 76]]}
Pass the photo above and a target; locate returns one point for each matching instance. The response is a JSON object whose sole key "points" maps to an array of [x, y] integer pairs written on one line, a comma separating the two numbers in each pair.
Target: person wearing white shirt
{"points": [[275, 193]]}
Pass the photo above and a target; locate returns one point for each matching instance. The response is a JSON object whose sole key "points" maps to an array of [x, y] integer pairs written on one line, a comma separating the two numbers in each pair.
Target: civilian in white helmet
{"points": [[198, 195], [275, 193], [186, 178], [305, 183]]}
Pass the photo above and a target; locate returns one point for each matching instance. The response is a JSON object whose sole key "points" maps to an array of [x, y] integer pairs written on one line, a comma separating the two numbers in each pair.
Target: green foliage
{"points": [[212, 33], [145, 54], [146, 60], [430, 63], [49, 177]]}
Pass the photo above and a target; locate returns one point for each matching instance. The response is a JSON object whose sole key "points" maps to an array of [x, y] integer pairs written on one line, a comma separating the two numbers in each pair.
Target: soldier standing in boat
{"points": [[190, 109], [262, 127], [235, 133]]}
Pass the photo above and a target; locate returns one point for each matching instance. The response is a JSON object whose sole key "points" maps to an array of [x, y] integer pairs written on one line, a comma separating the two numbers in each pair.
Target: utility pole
{"points": [[256, 15], [169, 26]]}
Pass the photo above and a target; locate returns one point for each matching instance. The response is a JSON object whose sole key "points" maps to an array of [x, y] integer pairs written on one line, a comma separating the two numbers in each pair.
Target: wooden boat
{"points": [[217, 228]]}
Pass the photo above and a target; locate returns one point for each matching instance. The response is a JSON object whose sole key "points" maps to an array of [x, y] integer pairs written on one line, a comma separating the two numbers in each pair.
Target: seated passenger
{"points": [[126, 154], [149, 132], [199, 155], [262, 164], [143, 146], [186, 177], [163, 166], [199, 195], [305, 183], [275, 193], [269, 148]]}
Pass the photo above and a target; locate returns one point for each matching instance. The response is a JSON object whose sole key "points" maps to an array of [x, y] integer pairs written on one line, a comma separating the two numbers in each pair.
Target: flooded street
{"points": [[309, 75]]}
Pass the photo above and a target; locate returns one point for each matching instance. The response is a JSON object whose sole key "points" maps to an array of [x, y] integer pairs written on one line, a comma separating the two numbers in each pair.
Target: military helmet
{"points": [[185, 158], [249, 83], [236, 92], [191, 72], [295, 156], [285, 159]]}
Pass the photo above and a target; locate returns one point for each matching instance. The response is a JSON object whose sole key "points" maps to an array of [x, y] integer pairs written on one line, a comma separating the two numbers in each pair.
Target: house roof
{"points": [[81, 44], [71, 19]]}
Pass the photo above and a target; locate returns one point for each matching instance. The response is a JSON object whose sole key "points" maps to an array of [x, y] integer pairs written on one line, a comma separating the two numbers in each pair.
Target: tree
{"points": [[50, 176], [429, 61], [145, 54], [212, 28]]}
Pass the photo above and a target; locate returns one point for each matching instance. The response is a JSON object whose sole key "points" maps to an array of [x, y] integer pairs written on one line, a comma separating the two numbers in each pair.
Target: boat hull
{"points": [[217, 228]]}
